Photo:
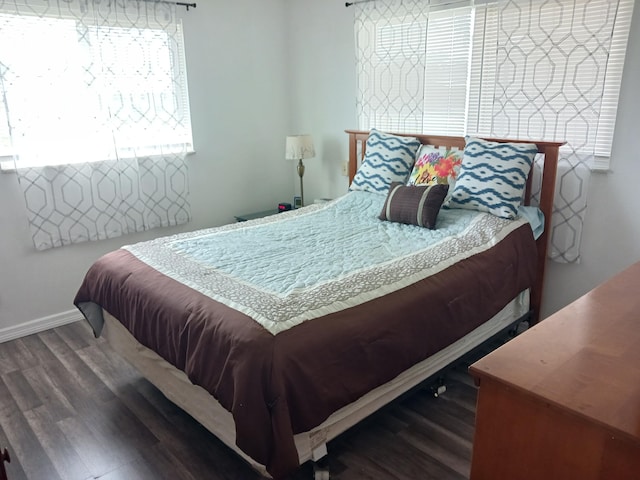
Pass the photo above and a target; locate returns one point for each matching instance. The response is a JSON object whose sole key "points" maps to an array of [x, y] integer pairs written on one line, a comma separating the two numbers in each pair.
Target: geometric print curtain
{"points": [[532, 70], [96, 116], [550, 74], [82, 202], [390, 59]]}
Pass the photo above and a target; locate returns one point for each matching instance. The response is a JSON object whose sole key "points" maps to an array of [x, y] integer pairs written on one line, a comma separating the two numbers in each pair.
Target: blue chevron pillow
{"points": [[388, 158], [493, 176]]}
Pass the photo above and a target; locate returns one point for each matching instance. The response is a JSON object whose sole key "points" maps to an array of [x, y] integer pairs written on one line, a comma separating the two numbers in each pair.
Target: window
{"points": [[447, 65], [540, 70], [73, 93], [97, 89], [414, 75]]}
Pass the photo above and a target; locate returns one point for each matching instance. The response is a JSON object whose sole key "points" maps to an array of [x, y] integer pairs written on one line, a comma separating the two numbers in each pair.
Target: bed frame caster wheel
{"points": [[438, 388], [320, 473]]}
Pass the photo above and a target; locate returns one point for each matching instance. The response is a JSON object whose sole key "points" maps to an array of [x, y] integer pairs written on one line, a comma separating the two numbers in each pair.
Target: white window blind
{"points": [[73, 92], [450, 57], [483, 69], [612, 81], [447, 53]]}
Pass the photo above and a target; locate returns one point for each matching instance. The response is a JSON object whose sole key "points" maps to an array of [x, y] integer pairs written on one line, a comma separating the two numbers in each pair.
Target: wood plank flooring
{"points": [[71, 409]]}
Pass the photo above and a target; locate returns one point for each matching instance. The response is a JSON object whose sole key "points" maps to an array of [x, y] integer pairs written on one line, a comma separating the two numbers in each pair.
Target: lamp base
{"points": [[300, 174]]}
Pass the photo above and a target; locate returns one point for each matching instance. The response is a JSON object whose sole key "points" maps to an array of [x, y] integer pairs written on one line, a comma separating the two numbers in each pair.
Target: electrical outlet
{"points": [[345, 169]]}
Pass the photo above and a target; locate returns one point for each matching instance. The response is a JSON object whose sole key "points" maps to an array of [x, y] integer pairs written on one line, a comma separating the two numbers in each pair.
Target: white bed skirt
{"points": [[311, 445]]}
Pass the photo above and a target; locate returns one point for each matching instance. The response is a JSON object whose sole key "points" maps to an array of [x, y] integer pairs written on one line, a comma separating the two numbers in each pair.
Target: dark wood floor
{"points": [[71, 409]]}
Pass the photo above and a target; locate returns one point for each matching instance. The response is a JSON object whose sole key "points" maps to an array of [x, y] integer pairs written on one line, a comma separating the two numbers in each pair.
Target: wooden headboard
{"points": [[357, 145]]}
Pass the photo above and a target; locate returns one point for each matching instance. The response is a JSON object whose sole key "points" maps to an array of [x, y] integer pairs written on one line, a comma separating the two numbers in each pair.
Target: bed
{"points": [[278, 361]]}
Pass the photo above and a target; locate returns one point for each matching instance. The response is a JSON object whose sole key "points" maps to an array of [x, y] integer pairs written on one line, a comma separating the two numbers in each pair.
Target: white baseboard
{"points": [[39, 325]]}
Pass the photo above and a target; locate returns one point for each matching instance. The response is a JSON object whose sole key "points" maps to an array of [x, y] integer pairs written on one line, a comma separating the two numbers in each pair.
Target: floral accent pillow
{"points": [[435, 166]]}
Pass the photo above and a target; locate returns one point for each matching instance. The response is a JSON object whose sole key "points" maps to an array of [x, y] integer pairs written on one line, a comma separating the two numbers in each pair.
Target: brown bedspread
{"points": [[277, 386]]}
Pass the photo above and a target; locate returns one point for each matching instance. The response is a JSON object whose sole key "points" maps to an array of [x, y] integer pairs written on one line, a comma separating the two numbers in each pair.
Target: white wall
{"points": [[259, 70], [322, 80], [236, 58], [323, 73]]}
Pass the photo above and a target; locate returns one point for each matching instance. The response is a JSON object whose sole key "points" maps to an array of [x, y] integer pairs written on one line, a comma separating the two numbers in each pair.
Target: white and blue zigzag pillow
{"points": [[388, 158], [493, 176]]}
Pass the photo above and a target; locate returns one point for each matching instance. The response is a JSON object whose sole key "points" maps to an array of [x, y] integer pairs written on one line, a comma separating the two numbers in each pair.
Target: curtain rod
{"points": [[185, 5], [348, 4], [180, 4]]}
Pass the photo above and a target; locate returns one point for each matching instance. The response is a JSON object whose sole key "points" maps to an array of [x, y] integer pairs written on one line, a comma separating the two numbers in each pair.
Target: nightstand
{"points": [[254, 215]]}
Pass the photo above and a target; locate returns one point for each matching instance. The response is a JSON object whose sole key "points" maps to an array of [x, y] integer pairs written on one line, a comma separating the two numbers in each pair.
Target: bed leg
{"points": [[518, 329], [4, 457], [320, 472], [320, 464]]}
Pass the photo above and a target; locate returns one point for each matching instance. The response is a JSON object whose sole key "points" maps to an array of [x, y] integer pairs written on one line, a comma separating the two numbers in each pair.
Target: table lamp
{"points": [[299, 147]]}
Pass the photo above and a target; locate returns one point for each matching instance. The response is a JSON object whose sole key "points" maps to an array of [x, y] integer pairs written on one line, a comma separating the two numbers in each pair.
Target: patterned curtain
{"points": [[97, 119], [534, 70]]}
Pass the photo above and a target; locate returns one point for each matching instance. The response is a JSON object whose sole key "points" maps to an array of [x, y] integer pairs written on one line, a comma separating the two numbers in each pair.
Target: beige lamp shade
{"points": [[299, 147]]}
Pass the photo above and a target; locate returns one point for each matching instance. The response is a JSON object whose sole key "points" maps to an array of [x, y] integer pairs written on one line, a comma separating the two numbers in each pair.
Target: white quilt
{"points": [[291, 267]]}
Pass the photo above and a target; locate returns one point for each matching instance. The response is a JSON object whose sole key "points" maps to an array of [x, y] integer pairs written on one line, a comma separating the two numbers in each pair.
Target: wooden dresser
{"points": [[562, 400]]}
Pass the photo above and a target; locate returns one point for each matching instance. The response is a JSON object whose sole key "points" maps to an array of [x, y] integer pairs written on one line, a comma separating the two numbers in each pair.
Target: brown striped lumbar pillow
{"points": [[414, 205]]}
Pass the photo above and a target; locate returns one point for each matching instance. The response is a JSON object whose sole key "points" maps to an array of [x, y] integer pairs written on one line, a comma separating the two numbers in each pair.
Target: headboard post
{"points": [[353, 155], [550, 151], [547, 192]]}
